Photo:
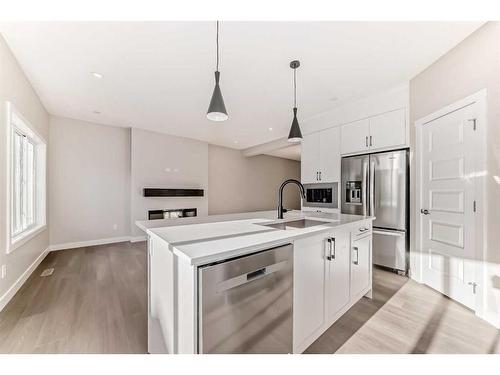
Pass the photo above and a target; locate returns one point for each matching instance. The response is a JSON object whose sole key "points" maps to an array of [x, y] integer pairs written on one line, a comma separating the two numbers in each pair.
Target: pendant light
{"points": [[217, 109], [295, 133]]}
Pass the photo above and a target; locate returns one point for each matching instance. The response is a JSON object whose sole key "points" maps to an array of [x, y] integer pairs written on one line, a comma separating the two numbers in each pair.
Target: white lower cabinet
{"points": [[326, 282], [361, 266], [337, 265], [308, 290]]}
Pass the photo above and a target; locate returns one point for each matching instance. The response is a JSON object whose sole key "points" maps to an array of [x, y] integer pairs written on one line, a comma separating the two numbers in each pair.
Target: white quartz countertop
{"points": [[213, 240]]}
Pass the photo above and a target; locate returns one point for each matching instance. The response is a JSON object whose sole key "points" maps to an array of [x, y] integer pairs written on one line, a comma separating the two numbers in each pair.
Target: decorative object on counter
{"points": [[295, 133], [217, 109], [157, 192]]}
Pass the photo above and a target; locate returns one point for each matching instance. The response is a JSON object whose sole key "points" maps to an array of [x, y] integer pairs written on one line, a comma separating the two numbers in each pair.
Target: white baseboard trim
{"points": [[4, 300], [102, 241], [138, 239], [491, 318]]}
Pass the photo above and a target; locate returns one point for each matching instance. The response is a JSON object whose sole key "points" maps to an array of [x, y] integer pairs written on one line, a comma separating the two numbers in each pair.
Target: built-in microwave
{"points": [[321, 195]]}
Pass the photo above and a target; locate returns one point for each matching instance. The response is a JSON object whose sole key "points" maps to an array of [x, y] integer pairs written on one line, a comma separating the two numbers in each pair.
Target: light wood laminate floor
{"points": [[96, 302]]}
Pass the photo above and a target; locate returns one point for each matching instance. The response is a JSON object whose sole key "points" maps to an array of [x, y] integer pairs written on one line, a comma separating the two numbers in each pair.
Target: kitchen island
{"points": [[328, 269]]}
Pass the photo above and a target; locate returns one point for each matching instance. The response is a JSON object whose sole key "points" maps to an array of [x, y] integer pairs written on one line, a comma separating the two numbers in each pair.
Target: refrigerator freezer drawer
{"points": [[389, 249]]}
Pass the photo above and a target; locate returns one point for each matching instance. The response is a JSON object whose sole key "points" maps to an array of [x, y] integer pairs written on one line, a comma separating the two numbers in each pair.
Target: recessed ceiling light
{"points": [[97, 112], [97, 75], [270, 129], [235, 142]]}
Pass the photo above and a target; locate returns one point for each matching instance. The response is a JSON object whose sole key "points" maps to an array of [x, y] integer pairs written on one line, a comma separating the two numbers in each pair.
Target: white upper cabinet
{"points": [[329, 150], [388, 130], [309, 162], [354, 136], [320, 159], [384, 131]]}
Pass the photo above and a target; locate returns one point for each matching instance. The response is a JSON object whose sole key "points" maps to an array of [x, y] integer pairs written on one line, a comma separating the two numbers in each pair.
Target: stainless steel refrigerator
{"points": [[377, 185]]}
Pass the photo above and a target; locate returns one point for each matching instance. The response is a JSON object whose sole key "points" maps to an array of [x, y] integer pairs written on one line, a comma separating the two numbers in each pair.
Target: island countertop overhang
{"points": [[215, 241]]}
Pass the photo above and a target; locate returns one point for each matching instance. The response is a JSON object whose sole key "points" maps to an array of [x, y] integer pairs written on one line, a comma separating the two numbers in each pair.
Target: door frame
{"points": [[417, 256]]}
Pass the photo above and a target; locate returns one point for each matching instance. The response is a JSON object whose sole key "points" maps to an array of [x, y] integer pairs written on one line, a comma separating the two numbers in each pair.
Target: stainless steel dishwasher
{"points": [[245, 303]]}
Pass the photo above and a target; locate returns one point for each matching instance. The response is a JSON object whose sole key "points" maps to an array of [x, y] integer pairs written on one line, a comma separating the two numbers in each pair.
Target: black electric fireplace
{"points": [[173, 213]]}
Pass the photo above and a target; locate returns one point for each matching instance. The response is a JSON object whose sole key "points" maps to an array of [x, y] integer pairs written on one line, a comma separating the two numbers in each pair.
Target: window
{"points": [[27, 158]]}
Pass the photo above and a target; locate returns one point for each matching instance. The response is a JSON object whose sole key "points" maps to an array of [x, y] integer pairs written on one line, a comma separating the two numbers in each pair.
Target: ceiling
{"points": [[159, 75], [291, 152]]}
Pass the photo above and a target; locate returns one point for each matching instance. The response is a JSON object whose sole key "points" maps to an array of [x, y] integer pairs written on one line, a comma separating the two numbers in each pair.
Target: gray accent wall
{"points": [[242, 184]]}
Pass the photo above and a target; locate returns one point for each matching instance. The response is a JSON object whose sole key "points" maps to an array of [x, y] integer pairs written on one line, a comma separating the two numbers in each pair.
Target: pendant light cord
{"points": [[217, 43], [295, 87]]}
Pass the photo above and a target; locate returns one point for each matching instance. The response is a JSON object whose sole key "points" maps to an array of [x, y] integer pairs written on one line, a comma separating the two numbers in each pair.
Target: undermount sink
{"points": [[296, 224]]}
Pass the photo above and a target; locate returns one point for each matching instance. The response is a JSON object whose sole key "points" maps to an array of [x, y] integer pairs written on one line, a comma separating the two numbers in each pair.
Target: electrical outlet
{"points": [[4, 271]]}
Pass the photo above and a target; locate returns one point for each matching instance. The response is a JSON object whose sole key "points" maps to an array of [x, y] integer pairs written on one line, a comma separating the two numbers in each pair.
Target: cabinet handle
{"points": [[331, 248], [366, 141], [370, 140], [356, 262], [329, 256], [320, 175], [317, 176]]}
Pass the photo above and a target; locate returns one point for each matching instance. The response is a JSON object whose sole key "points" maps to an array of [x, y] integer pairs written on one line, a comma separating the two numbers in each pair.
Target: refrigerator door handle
{"points": [[364, 186], [372, 189], [389, 233]]}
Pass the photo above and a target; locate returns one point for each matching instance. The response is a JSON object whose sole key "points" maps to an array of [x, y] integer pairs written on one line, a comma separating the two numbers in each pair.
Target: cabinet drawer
{"points": [[362, 230]]}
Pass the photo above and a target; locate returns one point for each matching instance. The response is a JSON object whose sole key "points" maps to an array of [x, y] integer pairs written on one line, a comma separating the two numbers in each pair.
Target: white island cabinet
{"points": [[331, 272], [330, 275]]}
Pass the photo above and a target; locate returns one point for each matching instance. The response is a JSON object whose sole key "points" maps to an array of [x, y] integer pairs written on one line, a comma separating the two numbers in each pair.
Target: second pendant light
{"points": [[217, 109], [295, 134]]}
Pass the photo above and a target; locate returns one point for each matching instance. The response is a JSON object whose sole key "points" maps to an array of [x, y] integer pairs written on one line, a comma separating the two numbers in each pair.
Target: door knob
{"points": [[424, 211]]}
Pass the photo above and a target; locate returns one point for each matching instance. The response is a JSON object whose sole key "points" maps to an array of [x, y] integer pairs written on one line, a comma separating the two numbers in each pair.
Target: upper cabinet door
{"points": [[329, 146], [310, 158], [388, 130], [355, 136]]}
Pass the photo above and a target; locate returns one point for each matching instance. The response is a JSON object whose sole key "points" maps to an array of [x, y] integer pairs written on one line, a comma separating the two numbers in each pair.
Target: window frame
{"points": [[17, 124]]}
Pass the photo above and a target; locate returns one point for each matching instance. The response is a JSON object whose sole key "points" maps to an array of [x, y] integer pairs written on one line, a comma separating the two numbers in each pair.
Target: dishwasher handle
{"points": [[246, 278], [256, 274]]}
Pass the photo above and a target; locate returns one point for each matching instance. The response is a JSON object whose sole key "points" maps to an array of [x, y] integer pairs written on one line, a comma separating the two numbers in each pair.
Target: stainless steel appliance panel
{"points": [[355, 185], [388, 195], [389, 249], [321, 195], [245, 304]]}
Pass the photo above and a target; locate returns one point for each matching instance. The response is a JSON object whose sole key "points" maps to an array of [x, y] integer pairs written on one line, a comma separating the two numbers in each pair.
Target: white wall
{"points": [[163, 161], [89, 188], [243, 184], [471, 66], [15, 87]]}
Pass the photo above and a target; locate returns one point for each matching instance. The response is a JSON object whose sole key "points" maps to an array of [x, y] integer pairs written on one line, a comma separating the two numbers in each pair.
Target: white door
{"points": [[310, 159], [355, 136], [447, 204], [329, 146], [388, 130]]}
